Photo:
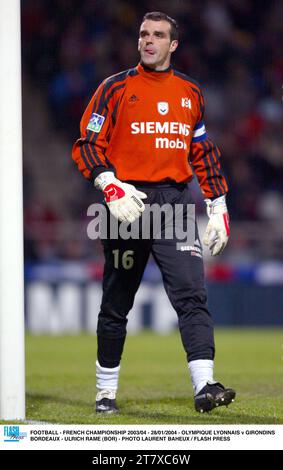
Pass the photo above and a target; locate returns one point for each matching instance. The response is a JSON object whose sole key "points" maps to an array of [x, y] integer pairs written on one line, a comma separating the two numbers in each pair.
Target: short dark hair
{"points": [[159, 16]]}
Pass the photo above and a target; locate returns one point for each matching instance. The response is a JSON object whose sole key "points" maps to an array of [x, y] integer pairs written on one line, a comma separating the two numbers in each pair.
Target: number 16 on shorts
{"points": [[124, 260]]}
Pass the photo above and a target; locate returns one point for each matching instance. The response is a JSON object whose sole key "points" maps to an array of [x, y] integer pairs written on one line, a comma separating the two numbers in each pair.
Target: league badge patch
{"points": [[96, 122]]}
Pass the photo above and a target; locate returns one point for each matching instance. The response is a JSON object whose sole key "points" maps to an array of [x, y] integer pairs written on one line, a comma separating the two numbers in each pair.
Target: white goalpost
{"points": [[12, 360]]}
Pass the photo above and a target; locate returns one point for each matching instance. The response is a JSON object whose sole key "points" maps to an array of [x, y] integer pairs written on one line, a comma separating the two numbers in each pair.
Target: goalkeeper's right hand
{"points": [[123, 199]]}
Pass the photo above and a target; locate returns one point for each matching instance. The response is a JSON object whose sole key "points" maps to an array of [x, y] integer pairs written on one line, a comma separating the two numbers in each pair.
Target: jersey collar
{"points": [[156, 75]]}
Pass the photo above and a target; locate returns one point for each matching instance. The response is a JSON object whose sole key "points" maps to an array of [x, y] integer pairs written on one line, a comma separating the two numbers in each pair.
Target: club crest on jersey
{"points": [[162, 107], [186, 103], [95, 123]]}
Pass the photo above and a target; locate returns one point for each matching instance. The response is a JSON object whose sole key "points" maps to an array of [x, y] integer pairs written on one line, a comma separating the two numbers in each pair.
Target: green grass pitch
{"points": [[155, 387]]}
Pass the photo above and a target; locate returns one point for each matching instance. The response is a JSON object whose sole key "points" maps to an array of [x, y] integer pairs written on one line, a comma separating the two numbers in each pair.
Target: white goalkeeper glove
{"points": [[217, 231], [123, 199]]}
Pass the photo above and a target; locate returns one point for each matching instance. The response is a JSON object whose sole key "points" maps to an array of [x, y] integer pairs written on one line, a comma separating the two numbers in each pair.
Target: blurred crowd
{"points": [[231, 47]]}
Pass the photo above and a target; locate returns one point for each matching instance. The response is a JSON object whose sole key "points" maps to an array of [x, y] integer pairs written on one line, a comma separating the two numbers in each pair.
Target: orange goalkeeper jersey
{"points": [[148, 126]]}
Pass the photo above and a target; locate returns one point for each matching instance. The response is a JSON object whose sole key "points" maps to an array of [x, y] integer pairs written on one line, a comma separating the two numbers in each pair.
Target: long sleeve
{"points": [[89, 150], [205, 160]]}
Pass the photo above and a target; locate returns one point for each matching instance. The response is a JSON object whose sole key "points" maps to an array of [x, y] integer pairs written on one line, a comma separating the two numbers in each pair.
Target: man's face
{"points": [[155, 45]]}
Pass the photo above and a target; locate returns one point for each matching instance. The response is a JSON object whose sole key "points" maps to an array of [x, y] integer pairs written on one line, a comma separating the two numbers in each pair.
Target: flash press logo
{"points": [[13, 434]]}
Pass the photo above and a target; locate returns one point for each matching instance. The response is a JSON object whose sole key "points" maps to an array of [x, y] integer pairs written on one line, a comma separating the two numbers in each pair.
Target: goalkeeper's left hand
{"points": [[217, 231]]}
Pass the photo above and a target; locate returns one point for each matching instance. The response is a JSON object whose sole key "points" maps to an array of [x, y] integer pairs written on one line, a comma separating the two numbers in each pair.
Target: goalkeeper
{"points": [[142, 137]]}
